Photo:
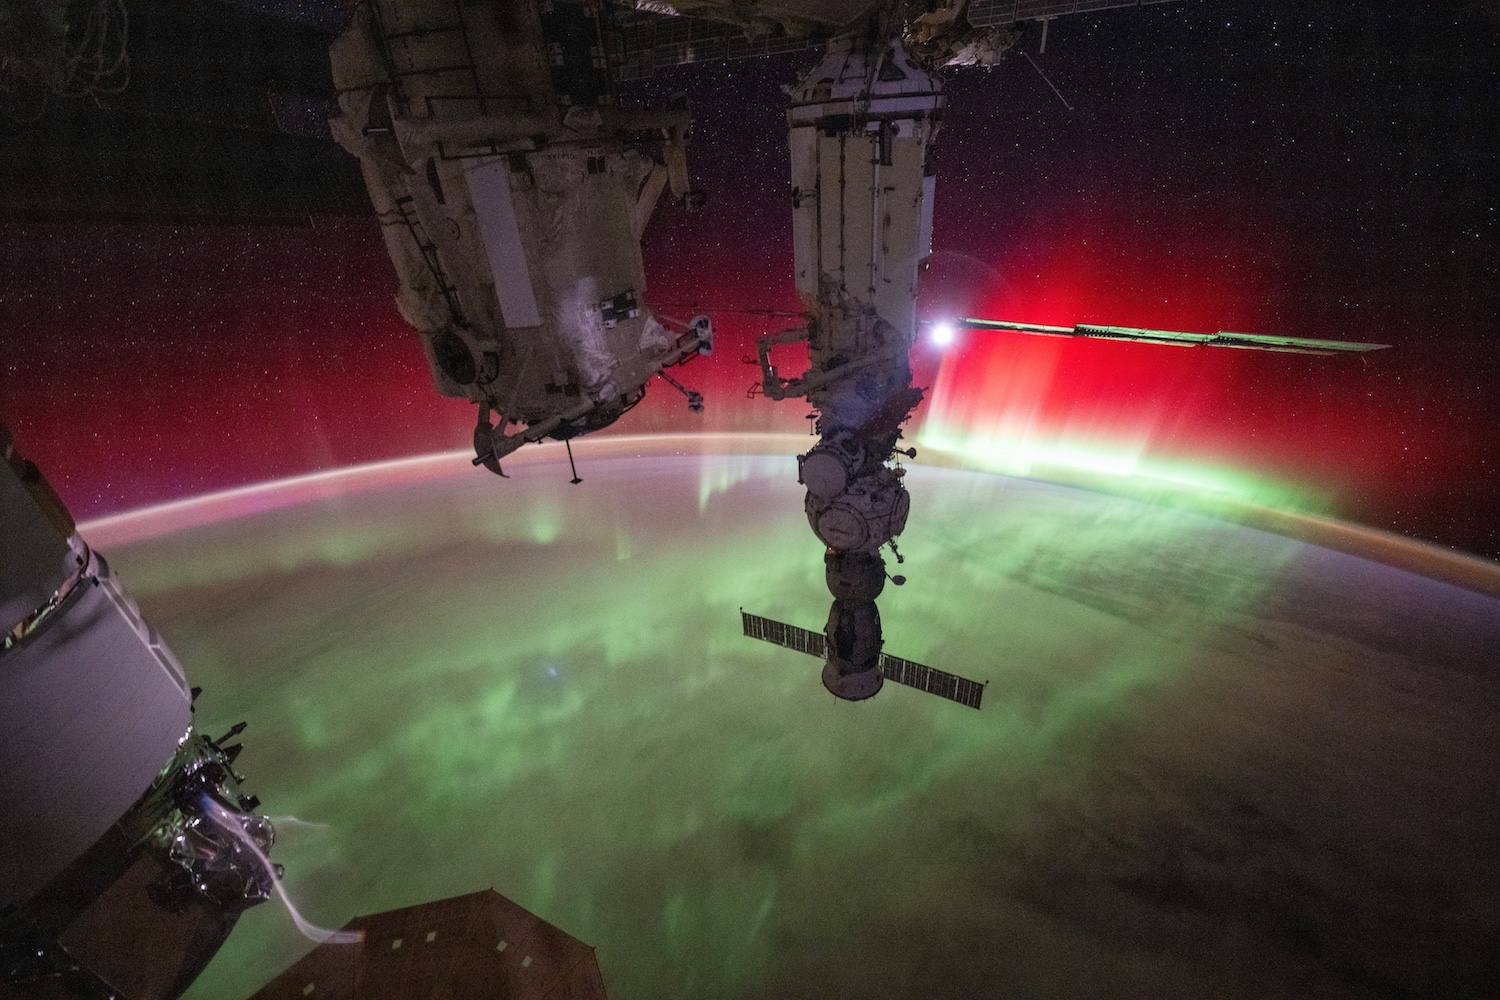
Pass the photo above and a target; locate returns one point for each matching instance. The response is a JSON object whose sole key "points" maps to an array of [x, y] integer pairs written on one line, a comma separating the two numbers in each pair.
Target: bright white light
{"points": [[942, 334]]}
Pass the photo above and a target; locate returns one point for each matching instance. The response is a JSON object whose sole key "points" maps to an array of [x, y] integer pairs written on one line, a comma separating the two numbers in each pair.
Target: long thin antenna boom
{"points": [[1173, 338], [568, 443], [1044, 76]]}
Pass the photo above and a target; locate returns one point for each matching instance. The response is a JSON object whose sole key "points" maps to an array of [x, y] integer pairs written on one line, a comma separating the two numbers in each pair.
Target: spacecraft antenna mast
{"points": [[568, 444]]}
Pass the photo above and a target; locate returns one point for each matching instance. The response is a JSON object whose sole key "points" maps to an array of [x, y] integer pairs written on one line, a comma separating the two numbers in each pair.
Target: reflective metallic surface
{"points": [[114, 879]]}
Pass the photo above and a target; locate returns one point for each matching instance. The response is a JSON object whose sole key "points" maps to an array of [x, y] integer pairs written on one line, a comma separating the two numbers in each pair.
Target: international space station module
{"points": [[513, 189]]}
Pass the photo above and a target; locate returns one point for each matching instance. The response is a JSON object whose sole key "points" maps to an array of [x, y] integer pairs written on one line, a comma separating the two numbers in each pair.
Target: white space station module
{"points": [[513, 189], [127, 849]]}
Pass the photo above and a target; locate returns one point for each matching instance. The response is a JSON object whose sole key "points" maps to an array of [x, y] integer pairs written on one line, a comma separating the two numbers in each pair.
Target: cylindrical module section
{"points": [[92, 705], [119, 875]]}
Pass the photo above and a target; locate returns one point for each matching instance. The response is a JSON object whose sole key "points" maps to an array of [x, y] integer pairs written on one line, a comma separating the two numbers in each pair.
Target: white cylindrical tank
{"points": [[127, 849], [92, 704]]}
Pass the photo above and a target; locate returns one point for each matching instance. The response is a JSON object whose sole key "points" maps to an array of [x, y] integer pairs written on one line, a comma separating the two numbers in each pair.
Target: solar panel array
{"points": [[649, 44], [782, 634], [944, 685], [987, 13]]}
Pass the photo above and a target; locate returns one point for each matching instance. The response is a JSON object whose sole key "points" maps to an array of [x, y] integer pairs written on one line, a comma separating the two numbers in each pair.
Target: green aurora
{"points": [[461, 683]]}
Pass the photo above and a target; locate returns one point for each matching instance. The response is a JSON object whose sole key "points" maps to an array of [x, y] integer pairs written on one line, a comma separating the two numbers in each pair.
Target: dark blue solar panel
{"points": [[782, 634], [923, 678]]}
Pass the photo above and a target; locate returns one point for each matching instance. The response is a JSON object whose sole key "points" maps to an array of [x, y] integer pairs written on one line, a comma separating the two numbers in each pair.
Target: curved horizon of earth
{"points": [[1212, 761]]}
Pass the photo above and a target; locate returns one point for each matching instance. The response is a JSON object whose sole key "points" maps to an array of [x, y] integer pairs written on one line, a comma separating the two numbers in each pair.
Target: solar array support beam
{"points": [[988, 13], [1174, 338]]}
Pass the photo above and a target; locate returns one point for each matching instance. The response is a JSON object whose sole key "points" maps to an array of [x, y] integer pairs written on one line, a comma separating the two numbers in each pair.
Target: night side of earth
{"points": [[1211, 761]]}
